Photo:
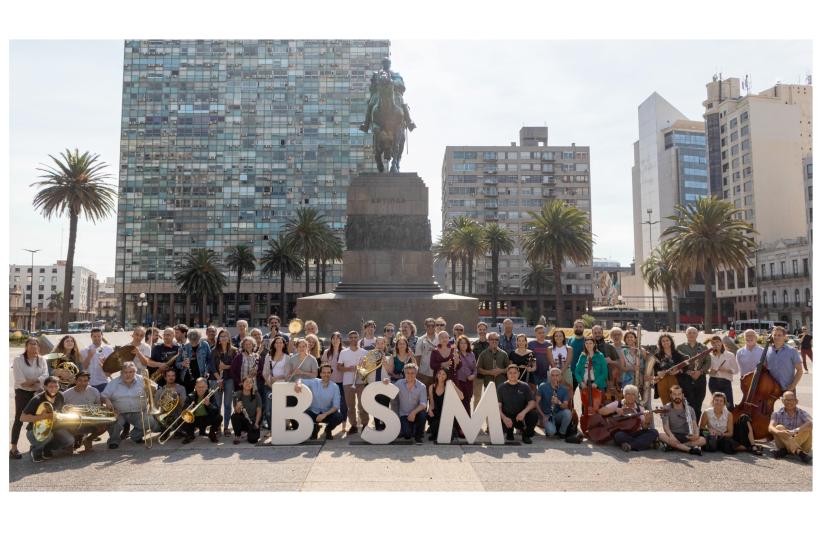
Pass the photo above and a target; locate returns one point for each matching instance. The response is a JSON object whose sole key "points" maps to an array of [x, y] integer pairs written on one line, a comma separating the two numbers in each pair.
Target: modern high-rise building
{"points": [[48, 282], [670, 168], [756, 145], [503, 184], [221, 141]]}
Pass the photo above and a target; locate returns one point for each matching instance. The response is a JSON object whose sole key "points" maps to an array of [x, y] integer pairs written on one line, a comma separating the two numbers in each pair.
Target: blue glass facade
{"points": [[222, 140]]}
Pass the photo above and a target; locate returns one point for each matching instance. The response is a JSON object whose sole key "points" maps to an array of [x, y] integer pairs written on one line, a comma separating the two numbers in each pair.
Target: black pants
{"points": [[720, 443], [201, 422], [414, 428], [343, 406], [741, 432], [331, 421], [240, 424], [526, 426], [694, 390], [21, 399], [715, 384], [639, 440]]}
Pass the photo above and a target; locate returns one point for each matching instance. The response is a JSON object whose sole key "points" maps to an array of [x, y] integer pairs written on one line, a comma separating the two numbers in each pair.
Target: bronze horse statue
{"points": [[389, 124]]}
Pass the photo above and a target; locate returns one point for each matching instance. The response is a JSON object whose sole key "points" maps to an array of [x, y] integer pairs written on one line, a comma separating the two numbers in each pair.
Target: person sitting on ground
{"points": [[679, 425], [717, 426], [638, 440], [247, 412], [791, 429]]}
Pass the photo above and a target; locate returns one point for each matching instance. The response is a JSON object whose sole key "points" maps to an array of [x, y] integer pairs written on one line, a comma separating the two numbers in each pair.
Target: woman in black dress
{"points": [[525, 359]]}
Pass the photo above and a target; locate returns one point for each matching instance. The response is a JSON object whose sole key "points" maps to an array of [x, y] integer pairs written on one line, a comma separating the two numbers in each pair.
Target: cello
{"points": [[761, 392], [601, 429], [591, 400]]}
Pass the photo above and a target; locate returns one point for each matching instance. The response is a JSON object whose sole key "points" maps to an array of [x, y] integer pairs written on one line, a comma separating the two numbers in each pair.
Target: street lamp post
{"points": [[142, 304], [650, 248], [31, 288]]}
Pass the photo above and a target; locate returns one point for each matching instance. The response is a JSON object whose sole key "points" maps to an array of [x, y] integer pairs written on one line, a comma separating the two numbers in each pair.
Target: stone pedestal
{"points": [[388, 269]]}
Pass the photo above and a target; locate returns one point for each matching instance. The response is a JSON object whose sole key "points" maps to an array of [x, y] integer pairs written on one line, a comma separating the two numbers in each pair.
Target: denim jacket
{"points": [[207, 368]]}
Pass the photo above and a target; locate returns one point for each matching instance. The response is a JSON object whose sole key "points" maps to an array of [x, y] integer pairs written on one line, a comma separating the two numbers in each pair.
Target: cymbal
{"points": [[115, 361]]}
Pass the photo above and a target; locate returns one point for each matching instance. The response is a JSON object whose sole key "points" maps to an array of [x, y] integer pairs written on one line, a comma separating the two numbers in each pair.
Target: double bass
{"points": [[761, 392], [591, 400]]}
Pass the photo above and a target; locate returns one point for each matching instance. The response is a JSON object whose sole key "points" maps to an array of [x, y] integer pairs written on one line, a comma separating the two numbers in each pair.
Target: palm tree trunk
{"points": [[323, 274], [470, 273], [453, 274], [669, 302], [494, 271], [316, 276], [540, 303], [464, 269], [707, 275], [307, 269], [237, 295], [203, 311], [69, 274], [283, 314], [558, 293]]}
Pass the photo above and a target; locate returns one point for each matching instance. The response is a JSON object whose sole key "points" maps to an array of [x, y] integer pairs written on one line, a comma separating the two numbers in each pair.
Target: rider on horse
{"points": [[399, 87]]}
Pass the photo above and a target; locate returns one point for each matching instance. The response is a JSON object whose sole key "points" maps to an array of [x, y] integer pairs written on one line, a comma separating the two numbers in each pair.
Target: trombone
{"points": [[147, 410], [186, 417]]}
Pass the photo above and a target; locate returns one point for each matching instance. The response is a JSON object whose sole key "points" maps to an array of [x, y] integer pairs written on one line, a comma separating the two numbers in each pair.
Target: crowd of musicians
{"points": [[223, 384]]}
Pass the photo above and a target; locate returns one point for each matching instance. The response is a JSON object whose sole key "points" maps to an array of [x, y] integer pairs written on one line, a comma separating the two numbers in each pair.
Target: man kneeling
{"points": [[206, 415], [517, 406], [59, 439], [552, 404], [325, 402]]}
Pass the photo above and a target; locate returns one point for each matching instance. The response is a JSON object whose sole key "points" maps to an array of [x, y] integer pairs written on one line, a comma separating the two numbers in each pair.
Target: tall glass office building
{"points": [[221, 141]]}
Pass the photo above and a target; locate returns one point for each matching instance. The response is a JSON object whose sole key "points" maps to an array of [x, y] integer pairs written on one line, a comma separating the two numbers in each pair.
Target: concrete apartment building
{"points": [[502, 184], [670, 168], [759, 146], [48, 280], [108, 302]]}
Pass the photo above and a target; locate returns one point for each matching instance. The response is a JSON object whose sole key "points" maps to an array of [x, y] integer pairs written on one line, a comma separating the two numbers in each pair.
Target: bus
{"points": [[760, 326], [79, 327]]}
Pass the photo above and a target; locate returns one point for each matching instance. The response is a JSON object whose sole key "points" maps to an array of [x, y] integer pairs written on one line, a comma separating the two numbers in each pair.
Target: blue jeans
{"points": [[559, 422], [227, 395], [60, 439], [136, 422]]}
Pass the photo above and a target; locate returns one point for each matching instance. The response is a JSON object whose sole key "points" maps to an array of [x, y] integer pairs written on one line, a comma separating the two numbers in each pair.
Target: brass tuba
{"points": [[72, 418], [371, 362]]}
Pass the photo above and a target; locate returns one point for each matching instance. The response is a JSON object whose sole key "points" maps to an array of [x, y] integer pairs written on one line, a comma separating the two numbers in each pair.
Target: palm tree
{"points": [[469, 243], [240, 259], [330, 250], [307, 230], [75, 185], [556, 233], [707, 235], [56, 301], [660, 272], [537, 279], [496, 240], [445, 250], [283, 257], [200, 276]]}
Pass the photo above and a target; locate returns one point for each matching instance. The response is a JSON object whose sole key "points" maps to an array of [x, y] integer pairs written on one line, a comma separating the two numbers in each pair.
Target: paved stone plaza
{"points": [[347, 465]]}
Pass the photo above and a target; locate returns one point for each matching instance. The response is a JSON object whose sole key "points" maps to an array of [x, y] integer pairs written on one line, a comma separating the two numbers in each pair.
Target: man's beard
{"points": [[677, 400], [578, 331]]}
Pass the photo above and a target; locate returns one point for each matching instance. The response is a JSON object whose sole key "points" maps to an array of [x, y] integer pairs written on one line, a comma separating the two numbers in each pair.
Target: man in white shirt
{"points": [[143, 355], [747, 357], [349, 358], [94, 356], [425, 345]]}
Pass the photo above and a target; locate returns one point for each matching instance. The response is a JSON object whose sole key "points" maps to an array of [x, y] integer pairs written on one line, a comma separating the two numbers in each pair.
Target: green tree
{"points": [[56, 301], [74, 185], [497, 240], [660, 272], [282, 257], [307, 230], [557, 233], [200, 276], [445, 250], [240, 259], [469, 244], [538, 278], [708, 235], [330, 250]]}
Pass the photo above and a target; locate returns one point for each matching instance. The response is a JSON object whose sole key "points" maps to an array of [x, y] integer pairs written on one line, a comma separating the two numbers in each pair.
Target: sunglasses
{"points": [[458, 329], [440, 325], [388, 331]]}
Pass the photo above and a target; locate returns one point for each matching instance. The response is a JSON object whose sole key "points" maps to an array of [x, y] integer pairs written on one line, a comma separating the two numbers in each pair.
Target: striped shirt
{"points": [[782, 417]]}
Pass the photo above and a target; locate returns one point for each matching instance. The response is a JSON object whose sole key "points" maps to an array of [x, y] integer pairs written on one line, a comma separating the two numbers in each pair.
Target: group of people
{"points": [[226, 382]]}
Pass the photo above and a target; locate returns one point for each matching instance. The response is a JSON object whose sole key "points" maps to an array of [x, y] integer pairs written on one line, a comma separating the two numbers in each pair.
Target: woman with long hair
{"points": [[436, 397], [666, 356], [247, 412], [331, 357], [563, 355], [597, 374], [467, 371], [525, 360], [313, 345], [403, 355], [445, 357], [633, 367], [409, 330], [221, 359], [30, 370], [275, 369], [68, 346]]}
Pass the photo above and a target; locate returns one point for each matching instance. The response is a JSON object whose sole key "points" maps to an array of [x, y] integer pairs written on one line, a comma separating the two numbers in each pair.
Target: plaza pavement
{"points": [[349, 465]]}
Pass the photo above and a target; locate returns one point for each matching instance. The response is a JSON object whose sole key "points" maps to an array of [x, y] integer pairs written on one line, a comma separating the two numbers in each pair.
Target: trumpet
{"points": [[186, 417]]}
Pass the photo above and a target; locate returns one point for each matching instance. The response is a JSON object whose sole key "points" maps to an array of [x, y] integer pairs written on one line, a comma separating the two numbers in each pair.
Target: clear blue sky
{"points": [[67, 94]]}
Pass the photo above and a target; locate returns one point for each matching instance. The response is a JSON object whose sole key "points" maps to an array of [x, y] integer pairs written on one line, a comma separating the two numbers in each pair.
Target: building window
{"points": [[765, 299], [796, 297], [809, 171], [773, 297], [731, 281], [763, 270], [785, 297], [743, 117], [805, 266], [771, 270], [751, 276], [782, 268], [807, 296], [795, 265], [720, 280]]}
